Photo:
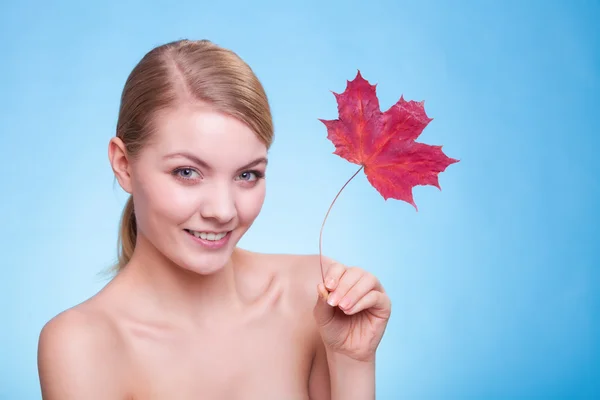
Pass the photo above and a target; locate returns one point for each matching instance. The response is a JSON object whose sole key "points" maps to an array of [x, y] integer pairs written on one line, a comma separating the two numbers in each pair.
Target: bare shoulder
{"points": [[301, 274], [79, 355], [305, 273]]}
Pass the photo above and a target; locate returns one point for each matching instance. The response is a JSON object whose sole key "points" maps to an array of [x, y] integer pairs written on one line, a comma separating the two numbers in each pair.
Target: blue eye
{"points": [[185, 173], [247, 176]]}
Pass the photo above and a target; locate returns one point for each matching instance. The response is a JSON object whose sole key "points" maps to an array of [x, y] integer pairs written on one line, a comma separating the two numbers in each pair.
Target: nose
{"points": [[218, 204]]}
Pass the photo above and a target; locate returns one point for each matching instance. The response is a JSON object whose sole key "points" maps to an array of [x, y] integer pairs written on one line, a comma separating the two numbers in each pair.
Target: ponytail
{"points": [[127, 234]]}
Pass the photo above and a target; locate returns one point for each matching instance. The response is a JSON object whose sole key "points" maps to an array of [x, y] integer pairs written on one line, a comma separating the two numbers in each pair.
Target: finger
{"points": [[333, 275], [322, 311], [322, 290], [366, 283], [347, 281], [377, 303]]}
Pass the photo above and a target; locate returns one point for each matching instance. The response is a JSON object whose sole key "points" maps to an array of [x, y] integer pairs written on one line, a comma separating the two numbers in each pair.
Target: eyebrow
{"points": [[204, 164]]}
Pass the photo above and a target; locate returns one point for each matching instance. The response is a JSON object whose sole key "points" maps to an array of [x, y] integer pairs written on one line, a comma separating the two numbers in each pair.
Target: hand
{"points": [[352, 312]]}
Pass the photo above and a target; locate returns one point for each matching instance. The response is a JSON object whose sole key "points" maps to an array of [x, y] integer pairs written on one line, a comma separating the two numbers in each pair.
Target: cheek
{"points": [[249, 204], [159, 200]]}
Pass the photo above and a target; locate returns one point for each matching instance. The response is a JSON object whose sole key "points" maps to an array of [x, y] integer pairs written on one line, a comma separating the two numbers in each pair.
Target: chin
{"points": [[204, 265]]}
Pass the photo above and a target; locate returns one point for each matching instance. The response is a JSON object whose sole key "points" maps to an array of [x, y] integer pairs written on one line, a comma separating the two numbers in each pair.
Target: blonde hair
{"points": [[177, 72]]}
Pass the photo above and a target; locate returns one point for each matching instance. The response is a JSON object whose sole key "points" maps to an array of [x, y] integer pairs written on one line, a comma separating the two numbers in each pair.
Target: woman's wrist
{"points": [[351, 378]]}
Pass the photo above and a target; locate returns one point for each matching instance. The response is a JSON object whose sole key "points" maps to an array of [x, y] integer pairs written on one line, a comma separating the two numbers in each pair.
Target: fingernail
{"points": [[330, 283], [332, 300]]}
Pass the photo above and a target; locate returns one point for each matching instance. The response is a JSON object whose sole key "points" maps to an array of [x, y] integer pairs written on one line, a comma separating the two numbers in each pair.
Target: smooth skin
{"points": [[182, 321]]}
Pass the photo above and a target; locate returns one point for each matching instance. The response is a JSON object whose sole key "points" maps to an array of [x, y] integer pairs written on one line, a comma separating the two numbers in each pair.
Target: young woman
{"points": [[189, 315]]}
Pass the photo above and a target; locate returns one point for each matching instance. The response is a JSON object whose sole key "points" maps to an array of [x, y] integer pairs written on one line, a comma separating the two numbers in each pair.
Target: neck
{"points": [[164, 287]]}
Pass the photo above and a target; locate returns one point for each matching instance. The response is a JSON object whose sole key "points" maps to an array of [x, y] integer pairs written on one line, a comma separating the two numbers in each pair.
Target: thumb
{"points": [[322, 311]]}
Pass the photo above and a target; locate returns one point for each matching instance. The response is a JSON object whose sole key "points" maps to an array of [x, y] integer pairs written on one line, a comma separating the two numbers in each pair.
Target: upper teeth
{"points": [[209, 236]]}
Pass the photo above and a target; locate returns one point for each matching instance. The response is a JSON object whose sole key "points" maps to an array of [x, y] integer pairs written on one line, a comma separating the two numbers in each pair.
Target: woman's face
{"points": [[198, 186]]}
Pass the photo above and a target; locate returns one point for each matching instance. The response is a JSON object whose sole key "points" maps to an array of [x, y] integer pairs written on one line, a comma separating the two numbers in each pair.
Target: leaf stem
{"points": [[326, 215]]}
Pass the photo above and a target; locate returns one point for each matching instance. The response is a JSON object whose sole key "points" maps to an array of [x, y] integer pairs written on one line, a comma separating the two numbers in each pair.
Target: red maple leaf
{"points": [[383, 143]]}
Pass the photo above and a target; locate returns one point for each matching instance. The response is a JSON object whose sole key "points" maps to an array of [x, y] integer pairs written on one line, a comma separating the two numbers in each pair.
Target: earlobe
{"points": [[117, 156]]}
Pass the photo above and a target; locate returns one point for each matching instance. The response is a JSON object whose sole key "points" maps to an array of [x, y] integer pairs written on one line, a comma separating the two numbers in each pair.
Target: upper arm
{"points": [[75, 359], [319, 386]]}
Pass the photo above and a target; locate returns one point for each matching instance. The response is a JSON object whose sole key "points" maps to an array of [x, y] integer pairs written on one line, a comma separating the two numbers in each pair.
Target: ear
{"points": [[117, 155]]}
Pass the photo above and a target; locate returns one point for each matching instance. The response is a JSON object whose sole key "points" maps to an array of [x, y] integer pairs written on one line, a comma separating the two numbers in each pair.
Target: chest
{"points": [[267, 359]]}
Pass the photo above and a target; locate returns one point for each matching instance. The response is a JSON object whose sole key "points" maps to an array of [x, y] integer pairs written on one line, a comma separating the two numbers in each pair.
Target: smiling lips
{"points": [[209, 240], [212, 236]]}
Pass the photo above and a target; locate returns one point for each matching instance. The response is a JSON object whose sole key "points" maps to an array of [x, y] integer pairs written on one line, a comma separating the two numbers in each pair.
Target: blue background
{"points": [[494, 280]]}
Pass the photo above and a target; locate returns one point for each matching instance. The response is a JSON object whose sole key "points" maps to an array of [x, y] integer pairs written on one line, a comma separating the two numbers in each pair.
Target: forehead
{"points": [[209, 134]]}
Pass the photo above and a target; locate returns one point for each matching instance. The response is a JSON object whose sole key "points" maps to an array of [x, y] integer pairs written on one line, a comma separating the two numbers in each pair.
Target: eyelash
{"points": [[176, 172]]}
